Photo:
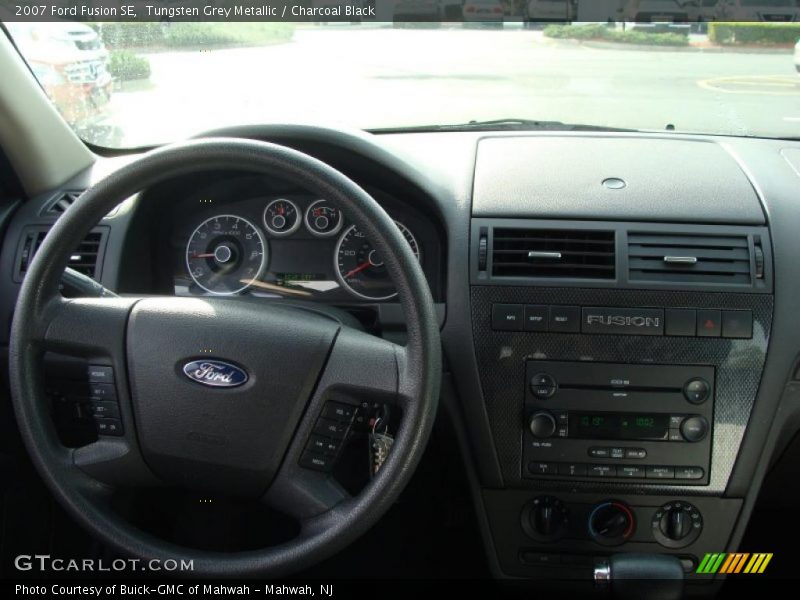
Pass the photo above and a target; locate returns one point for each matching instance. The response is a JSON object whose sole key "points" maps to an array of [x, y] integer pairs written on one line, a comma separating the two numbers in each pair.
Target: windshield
{"points": [[659, 68]]}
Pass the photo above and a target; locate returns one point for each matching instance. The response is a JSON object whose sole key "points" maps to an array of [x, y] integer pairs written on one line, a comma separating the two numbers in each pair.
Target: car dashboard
{"points": [[617, 312]]}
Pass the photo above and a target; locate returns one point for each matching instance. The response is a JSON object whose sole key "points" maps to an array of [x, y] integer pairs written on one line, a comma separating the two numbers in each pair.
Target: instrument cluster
{"points": [[287, 245]]}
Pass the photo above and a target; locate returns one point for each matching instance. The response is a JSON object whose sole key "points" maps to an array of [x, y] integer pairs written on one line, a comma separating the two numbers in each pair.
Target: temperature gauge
{"points": [[323, 219], [282, 217]]}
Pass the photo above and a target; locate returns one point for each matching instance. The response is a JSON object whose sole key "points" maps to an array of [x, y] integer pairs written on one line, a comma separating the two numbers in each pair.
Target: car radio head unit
{"points": [[618, 421]]}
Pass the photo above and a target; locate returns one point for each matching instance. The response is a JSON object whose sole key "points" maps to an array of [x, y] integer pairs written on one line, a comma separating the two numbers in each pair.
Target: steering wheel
{"points": [[247, 438]]}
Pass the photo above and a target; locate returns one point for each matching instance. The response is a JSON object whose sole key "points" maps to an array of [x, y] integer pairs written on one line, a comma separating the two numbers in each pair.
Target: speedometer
{"points": [[226, 254], [360, 268]]}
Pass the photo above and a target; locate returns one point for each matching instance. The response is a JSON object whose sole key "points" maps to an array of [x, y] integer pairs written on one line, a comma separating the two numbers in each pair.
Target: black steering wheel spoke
{"points": [[94, 329]]}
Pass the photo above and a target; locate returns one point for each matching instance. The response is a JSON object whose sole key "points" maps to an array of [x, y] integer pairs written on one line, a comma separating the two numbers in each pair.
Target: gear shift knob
{"points": [[641, 577]]}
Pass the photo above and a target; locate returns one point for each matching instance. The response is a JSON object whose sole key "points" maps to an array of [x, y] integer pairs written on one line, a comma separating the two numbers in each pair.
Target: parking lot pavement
{"points": [[370, 77]]}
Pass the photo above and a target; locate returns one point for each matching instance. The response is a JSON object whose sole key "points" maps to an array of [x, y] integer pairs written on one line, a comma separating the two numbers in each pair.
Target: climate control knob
{"points": [[545, 518], [676, 524], [543, 424], [611, 523]]}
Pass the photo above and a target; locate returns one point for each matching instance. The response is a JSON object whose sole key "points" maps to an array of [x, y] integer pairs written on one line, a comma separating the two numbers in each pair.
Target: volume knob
{"points": [[543, 424]]}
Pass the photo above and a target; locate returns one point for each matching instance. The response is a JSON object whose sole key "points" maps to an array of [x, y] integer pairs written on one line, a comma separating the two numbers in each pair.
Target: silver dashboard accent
{"points": [[547, 255], [680, 260]]}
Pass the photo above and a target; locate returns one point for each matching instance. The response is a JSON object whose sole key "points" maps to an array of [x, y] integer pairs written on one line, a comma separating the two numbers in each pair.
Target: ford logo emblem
{"points": [[215, 373]]}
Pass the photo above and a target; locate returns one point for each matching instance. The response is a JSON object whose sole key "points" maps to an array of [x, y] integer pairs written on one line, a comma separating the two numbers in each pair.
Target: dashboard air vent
{"points": [[62, 202], [681, 258], [86, 259], [553, 253]]}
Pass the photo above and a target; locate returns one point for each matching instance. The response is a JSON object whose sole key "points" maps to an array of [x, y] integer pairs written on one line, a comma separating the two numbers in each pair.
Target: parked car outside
{"points": [[71, 63]]}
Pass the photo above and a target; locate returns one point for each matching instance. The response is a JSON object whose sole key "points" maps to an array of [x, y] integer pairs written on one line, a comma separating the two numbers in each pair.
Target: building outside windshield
{"points": [[728, 67]]}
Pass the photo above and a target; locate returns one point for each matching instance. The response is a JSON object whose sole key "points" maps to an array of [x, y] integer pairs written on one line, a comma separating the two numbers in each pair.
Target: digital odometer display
{"points": [[618, 426]]}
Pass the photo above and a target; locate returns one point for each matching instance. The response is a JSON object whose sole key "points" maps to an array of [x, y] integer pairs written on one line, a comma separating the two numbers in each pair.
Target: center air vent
{"points": [[681, 258], [553, 253], [87, 257]]}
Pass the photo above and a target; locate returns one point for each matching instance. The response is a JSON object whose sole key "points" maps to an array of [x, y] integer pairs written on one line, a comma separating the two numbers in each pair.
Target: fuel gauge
{"points": [[282, 217]]}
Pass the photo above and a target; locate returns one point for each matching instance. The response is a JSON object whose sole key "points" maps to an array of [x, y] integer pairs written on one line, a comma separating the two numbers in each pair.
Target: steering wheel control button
{"points": [[680, 322], [660, 472], [565, 319], [536, 318], [109, 427], [709, 323], [611, 523], [100, 374], [317, 462], [102, 391], [696, 390], [689, 473], [542, 425], [339, 411], [507, 317], [737, 324], [543, 385], [676, 524], [104, 409], [331, 428], [694, 429]]}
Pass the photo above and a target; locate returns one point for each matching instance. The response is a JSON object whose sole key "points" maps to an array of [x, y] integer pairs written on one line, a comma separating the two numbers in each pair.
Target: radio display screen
{"points": [[618, 426]]}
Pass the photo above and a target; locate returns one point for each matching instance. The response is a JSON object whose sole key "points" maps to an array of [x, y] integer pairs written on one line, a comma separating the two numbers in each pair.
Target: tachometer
{"points": [[359, 267], [225, 254]]}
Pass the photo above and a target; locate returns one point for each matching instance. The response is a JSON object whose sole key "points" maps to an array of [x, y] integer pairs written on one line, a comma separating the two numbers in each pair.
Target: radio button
{"points": [[599, 452], [617, 452], [689, 473], [675, 421], [635, 453], [542, 424], [660, 472], [675, 435], [572, 469], [542, 468], [694, 429], [562, 417], [631, 471], [696, 390], [543, 385], [602, 471]]}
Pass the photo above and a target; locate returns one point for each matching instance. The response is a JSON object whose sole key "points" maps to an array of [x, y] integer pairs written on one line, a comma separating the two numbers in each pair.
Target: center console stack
{"points": [[620, 328]]}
